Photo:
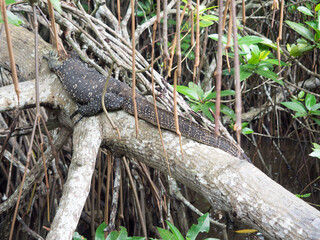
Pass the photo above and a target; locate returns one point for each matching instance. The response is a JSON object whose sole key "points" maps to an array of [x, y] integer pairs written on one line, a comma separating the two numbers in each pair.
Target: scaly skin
{"points": [[85, 85]]}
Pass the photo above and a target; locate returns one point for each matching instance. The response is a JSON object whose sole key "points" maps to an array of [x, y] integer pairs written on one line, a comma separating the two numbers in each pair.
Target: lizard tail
{"points": [[187, 128]]}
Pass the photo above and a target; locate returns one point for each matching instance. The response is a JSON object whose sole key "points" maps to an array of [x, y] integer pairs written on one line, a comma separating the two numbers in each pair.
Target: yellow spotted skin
{"points": [[85, 85]]}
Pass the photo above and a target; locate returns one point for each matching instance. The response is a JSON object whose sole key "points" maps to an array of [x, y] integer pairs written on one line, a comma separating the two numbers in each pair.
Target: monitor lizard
{"points": [[85, 86]]}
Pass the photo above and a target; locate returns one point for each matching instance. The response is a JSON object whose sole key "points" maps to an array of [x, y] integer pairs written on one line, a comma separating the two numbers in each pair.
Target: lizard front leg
{"points": [[93, 107]]}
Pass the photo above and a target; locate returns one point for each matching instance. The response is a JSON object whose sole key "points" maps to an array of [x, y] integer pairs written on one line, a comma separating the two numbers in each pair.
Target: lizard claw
{"points": [[78, 120], [51, 55], [74, 113], [53, 60]]}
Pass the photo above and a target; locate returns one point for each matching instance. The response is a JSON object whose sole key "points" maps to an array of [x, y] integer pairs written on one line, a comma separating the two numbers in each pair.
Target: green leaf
{"points": [[305, 10], [269, 74], [205, 109], [77, 236], [269, 43], [317, 8], [207, 93], [299, 114], [12, 19], [317, 113], [294, 50], [184, 46], [165, 234], [310, 101], [113, 236], [8, 2], [197, 88], [249, 67], [175, 231], [303, 195], [244, 124], [202, 226], [133, 238], [204, 23], [227, 111], [297, 50], [254, 59], [249, 40], [244, 75], [316, 146], [313, 24], [57, 5], [223, 108], [315, 153], [317, 36], [224, 38], [209, 18], [222, 94], [246, 131], [225, 93], [295, 106], [244, 72], [190, 92], [299, 28], [301, 94], [99, 231], [265, 66], [263, 55], [316, 120], [255, 50], [306, 48], [123, 234], [274, 62], [315, 107]]}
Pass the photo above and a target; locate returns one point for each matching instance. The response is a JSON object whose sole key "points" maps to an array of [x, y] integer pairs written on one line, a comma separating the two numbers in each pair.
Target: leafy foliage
{"points": [[307, 107], [310, 31], [303, 195], [12, 19], [114, 235], [203, 101], [202, 226], [144, 8], [316, 151], [254, 57], [57, 5]]}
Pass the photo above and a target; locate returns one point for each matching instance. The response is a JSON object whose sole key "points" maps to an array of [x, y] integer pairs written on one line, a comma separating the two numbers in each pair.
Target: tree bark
{"points": [[86, 143]]}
